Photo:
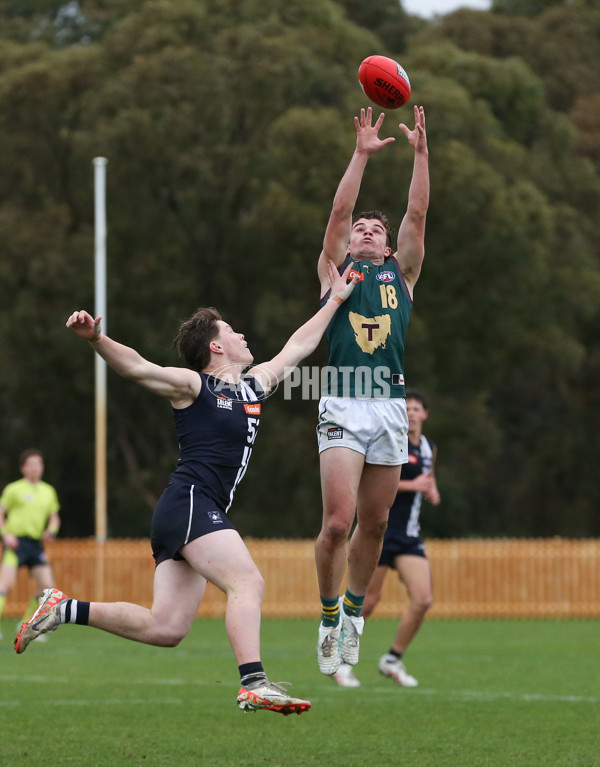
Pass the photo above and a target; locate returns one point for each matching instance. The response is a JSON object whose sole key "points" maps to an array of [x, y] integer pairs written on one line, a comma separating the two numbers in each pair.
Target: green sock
{"points": [[353, 604], [330, 611], [2, 603]]}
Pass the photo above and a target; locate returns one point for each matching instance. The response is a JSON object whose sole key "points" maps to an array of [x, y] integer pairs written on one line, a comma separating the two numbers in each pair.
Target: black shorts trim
{"points": [[401, 546], [182, 514]]}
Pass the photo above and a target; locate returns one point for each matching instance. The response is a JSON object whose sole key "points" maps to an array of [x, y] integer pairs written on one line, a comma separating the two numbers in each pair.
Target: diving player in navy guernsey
{"points": [[403, 547], [217, 411]]}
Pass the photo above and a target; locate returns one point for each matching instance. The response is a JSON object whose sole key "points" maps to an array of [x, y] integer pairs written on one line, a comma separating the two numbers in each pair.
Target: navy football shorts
{"points": [[183, 513], [400, 545], [31, 553]]}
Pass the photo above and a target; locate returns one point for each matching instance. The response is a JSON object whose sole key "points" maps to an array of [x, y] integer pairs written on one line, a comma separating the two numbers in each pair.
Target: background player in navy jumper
{"points": [[362, 429], [403, 548], [217, 415]]}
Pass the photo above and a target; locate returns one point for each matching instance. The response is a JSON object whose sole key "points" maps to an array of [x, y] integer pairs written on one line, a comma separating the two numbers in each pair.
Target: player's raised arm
{"points": [[339, 225], [180, 385], [411, 234], [306, 339]]}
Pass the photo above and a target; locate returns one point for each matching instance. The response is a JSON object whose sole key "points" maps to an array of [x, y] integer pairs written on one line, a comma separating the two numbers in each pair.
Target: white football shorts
{"points": [[377, 428]]}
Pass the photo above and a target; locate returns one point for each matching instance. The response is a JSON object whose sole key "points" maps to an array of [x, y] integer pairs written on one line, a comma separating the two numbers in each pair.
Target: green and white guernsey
{"points": [[367, 334]]}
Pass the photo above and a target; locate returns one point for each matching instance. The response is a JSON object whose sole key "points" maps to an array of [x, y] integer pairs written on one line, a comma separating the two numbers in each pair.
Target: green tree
{"points": [[385, 18], [524, 7], [227, 126], [561, 45], [181, 98]]}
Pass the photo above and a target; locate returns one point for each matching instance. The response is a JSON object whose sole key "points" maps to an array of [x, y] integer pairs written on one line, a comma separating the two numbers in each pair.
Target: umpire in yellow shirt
{"points": [[28, 517]]}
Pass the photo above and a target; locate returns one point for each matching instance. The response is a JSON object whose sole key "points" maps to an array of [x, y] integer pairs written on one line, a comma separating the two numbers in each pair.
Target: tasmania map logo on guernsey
{"points": [[370, 333]]}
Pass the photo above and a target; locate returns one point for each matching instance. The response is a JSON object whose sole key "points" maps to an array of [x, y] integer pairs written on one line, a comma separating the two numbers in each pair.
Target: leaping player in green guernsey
{"points": [[363, 425]]}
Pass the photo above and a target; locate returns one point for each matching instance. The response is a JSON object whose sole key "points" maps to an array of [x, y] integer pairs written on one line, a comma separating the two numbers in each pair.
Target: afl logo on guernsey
{"points": [[385, 276]]}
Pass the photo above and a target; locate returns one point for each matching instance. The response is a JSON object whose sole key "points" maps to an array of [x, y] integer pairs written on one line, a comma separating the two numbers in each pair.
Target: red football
{"points": [[384, 82]]}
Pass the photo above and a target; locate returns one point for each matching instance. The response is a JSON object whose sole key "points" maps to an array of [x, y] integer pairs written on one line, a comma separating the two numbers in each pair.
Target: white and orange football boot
{"points": [[270, 696], [46, 618]]}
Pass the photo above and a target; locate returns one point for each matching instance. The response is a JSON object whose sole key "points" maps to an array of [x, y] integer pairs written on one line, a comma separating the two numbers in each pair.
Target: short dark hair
{"points": [[368, 214], [194, 335], [27, 454], [415, 394]]}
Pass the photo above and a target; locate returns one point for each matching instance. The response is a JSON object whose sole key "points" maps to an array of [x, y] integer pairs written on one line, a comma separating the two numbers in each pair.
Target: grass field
{"points": [[491, 693]]}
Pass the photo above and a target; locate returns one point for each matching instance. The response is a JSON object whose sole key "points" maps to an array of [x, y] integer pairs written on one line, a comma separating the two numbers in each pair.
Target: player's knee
{"points": [[173, 635], [335, 531], [251, 588], [422, 603], [172, 640], [372, 528], [258, 586]]}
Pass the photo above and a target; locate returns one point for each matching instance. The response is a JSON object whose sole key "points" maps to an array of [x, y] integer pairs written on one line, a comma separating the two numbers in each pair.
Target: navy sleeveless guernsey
{"points": [[216, 435]]}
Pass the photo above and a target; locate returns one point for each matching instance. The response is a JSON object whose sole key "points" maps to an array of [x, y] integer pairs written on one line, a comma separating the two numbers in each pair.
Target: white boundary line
{"points": [[465, 696]]}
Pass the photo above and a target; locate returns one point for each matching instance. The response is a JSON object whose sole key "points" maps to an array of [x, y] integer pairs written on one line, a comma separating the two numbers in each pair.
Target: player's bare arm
{"points": [[421, 484], [9, 541], [52, 527], [337, 233], [411, 235], [306, 339], [180, 385], [433, 496]]}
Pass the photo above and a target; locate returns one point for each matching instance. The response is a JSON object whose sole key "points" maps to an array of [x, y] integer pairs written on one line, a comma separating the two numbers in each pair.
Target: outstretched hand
{"points": [[367, 139], [417, 138], [339, 282], [84, 325]]}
